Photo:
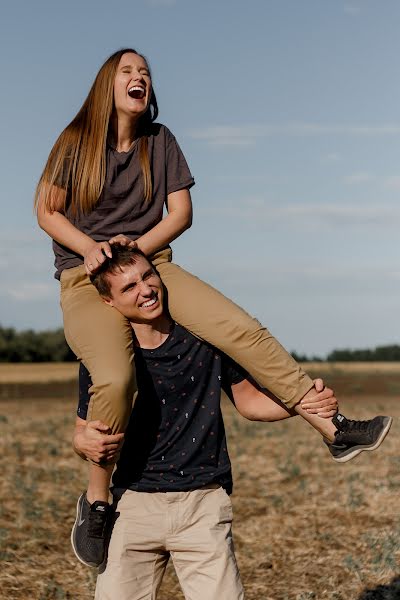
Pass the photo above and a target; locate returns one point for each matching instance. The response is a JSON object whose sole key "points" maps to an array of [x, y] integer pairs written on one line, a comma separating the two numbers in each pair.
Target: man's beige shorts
{"points": [[194, 528]]}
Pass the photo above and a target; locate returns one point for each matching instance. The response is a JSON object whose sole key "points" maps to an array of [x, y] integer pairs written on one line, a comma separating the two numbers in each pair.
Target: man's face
{"points": [[137, 292]]}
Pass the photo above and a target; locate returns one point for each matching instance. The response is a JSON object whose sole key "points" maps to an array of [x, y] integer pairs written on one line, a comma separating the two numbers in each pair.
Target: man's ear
{"points": [[107, 300]]}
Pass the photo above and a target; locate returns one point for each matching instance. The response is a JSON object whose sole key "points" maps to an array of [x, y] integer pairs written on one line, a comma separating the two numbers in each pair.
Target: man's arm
{"points": [[257, 404], [92, 440]]}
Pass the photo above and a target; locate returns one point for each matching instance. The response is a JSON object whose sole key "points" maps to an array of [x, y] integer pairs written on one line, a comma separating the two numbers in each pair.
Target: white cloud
{"points": [[244, 135], [18, 238], [355, 277], [28, 292], [261, 212], [222, 135], [161, 2], [286, 278], [331, 157], [352, 9], [356, 178], [393, 182], [25, 252], [239, 178]]}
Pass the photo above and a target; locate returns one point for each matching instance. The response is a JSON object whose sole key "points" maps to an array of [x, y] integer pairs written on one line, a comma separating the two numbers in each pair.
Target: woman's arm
{"points": [[179, 218], [256, 404], [57, 226]]}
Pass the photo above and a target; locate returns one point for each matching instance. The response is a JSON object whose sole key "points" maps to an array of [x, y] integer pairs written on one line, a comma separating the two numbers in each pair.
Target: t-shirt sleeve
{"points": [[63, 175], [232, 373], [178, 174], [85, 383]]}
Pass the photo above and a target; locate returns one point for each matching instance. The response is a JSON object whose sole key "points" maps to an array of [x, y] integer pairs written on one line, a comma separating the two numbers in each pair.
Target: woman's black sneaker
{"points": [[88, 536], [353, 437]]}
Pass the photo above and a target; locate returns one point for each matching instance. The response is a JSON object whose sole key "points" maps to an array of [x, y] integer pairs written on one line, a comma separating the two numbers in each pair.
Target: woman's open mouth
{"points": [[137, 92]]}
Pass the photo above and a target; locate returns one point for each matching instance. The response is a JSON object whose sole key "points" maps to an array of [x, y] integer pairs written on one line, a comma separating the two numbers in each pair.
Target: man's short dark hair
{"points": [[122, 256]]}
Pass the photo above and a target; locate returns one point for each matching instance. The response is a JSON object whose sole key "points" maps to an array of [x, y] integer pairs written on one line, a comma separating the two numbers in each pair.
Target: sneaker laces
{"points": [[97, 521], [357, 425]]}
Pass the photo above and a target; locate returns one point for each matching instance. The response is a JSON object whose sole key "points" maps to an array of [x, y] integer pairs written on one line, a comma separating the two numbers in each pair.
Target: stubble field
{"points": [[305, 527]]}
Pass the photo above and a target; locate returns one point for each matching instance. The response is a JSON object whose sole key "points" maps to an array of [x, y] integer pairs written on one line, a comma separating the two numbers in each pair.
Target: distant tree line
{"points": [[34, 346], [50, 346], [380, 353]]}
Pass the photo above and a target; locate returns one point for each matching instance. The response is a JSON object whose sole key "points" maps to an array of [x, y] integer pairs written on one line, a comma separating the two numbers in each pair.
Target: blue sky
{"points": [[288, 112]]}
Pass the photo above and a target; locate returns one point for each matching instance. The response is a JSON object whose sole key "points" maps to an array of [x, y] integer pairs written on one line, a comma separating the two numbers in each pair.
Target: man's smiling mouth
{"points": [[149, 303]]}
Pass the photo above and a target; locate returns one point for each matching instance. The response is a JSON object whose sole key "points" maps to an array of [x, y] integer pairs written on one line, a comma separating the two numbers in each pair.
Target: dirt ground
{"points": [[305, 527]]}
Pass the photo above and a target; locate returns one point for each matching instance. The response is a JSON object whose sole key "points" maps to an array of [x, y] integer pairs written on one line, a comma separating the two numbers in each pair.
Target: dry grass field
{"points": [[305, 527], [37, 372]]}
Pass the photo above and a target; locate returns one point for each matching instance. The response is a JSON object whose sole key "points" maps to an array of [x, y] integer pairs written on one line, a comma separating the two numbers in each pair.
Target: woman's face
{"points": [[132, 86]]}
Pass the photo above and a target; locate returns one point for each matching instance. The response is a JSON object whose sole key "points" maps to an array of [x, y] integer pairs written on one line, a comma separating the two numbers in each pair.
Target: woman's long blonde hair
{"points": [[77, 161]]}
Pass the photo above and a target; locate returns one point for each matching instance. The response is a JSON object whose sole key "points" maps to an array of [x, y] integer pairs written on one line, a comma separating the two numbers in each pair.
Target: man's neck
{"points": [[151, 335]]}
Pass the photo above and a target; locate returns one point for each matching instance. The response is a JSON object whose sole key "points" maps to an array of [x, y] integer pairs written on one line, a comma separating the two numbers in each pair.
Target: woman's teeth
{"points": [[136, 91]]}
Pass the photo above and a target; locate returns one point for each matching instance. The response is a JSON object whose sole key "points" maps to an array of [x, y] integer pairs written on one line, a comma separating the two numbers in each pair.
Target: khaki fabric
{"points": [[101, 338], [193, 528], [212, 317]]}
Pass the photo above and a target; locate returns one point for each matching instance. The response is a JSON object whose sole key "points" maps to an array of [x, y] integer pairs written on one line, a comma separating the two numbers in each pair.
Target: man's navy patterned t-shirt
{"points": [[175, 440]]}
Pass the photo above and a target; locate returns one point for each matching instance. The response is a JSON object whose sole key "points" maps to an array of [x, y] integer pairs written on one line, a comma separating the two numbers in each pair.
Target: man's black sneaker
{"points": [[88, 536], [353, 437]]}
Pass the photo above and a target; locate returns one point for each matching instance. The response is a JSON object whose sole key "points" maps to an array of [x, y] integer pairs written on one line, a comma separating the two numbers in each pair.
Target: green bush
{"points": [[34, 346]]}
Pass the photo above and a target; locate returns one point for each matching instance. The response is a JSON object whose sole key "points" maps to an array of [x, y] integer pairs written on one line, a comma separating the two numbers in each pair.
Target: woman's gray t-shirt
{"points": [[121, 207]]}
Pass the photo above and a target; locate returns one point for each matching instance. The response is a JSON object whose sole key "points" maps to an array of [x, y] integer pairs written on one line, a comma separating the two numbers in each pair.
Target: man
{"points": [[173, 477]]}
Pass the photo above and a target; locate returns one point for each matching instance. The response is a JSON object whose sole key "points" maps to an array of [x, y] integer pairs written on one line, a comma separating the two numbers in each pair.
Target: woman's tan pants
{"points": [[102, 338]]}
